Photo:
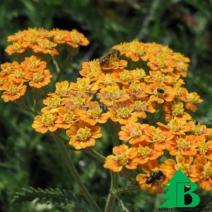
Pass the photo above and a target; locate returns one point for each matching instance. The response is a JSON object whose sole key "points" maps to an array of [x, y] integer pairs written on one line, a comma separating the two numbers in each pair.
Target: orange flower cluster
{"points": [[128, 85], [188, 143], [70, 107], [43, 41], [15, 76]]}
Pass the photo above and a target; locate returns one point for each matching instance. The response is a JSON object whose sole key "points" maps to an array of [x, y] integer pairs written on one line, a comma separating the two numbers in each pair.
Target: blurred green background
{"points": [[30, 159]]}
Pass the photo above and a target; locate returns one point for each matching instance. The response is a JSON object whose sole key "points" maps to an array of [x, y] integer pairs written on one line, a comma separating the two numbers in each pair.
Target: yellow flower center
{"points": [[9, 68], [34, 63], [124, 112], [139, 106], [37, 77], [54, 102], [178, 90], [113, 92], [144, 151], [194, 97], [198, 129], [79, 101], [158, 77], [18, 74], [108, 80], [75, 36], [158, 136], [182, 66], [136, 89], [177, 108], [135, 131], [62, 88], [123, 159], [161, 60], [95, 112], [16, 46], [207, 171], [175, 125], [137, 48], [180, 62], [83, 134], [140, 73], [203, 148], [93, 72], [12, 90], [46, 44], [68, 117], [32, 37], [182, 144], [183, 167], [83, 85], [95, 66], [47, 119], [125, 76], [59, 37]]}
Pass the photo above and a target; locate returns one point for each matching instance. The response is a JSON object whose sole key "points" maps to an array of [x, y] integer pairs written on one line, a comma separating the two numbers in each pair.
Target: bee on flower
{"points": [[138, 86]]}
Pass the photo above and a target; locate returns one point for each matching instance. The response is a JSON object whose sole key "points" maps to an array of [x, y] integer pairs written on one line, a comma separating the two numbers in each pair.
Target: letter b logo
{"points": [[179, 192], [186, 189]]}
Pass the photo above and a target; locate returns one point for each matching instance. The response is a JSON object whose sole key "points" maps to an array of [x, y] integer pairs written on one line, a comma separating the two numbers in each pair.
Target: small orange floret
{"points": [[83, 136], [44, 123], [122, 157], [13, 92]]}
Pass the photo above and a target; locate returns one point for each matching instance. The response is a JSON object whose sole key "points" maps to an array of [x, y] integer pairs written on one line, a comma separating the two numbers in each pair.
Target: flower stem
{"points": [[114, 177], [95, 155], [129, 189], [66, 157], [56, 65], [57, 68], [112, 195]]}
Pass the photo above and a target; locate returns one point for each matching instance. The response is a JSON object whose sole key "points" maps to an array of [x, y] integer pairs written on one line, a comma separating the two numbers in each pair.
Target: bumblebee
{"points": [[154, 177], [112, 55]]}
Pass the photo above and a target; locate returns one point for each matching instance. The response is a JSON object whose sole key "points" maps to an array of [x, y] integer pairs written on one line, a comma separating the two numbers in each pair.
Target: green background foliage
{"points": [[30, 159]]}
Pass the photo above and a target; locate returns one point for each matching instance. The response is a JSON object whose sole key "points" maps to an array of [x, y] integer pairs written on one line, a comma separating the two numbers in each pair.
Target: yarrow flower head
{"points": [[33, 71], [40, 40], [140, 87], [15, 77]]}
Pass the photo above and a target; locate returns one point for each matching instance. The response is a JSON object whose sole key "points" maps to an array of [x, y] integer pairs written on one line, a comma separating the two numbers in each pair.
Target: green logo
{"points": [[180, 189]]}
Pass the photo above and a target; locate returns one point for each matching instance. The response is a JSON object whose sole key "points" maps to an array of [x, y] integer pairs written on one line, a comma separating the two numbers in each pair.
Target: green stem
{"points": [[112, 195], [66, 156], [114, 177], [56, 65], [126, 190], [95, 154], [58, 69], [23, 107]]}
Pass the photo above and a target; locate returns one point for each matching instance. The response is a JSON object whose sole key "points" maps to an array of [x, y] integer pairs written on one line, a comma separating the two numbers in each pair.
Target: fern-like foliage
{"points": [[60, 198]]}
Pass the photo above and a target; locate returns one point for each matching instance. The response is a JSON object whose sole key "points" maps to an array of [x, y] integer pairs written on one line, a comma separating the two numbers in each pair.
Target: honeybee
{"points": [[154, 177], [112, 55]]}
